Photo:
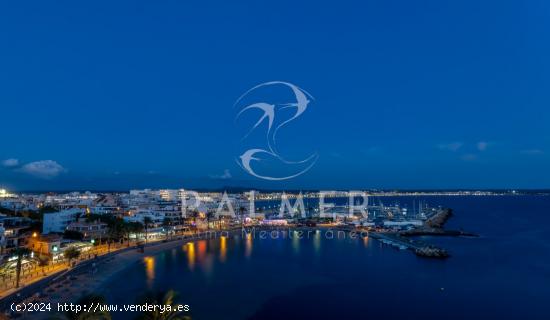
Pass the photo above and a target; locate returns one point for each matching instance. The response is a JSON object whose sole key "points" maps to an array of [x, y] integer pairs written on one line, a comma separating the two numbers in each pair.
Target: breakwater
{"points": [[420, 248]]}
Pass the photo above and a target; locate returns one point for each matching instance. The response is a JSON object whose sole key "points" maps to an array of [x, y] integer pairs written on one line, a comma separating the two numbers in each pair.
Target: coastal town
{"points": [[44, 235], [268, 160]]}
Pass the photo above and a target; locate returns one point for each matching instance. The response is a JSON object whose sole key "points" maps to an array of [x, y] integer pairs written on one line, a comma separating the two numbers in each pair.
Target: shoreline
{"points": [[124, 260], [91, 276], [69, 285], [113, 265]]}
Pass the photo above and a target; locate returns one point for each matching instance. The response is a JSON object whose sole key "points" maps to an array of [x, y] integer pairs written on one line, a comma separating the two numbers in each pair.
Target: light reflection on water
{"points": [[205, 257], [150, 270], [317, 242], [200, 253], [201, 244], [190, 249], [248, 245], [223, 248], [288, 275]]}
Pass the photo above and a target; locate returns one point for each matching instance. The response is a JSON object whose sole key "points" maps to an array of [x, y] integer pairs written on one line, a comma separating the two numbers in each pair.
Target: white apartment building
{"points": [[58, 221], [163, 194], [156, 216]]}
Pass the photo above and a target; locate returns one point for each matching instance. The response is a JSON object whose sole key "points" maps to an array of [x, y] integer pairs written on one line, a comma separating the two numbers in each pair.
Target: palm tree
{"points": [[166, 223], [20, 253], [43, 262], [70, 254], [114, 232], [220, 219], [177, 222], [131, 227], [195, 214], [147, 221], [166, 299], [127, 228], [209, 216], [242, 211]]}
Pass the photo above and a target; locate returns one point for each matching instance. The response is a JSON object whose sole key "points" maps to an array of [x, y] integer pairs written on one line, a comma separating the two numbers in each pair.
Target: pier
{"points": [[420, 248], [433, 226]]}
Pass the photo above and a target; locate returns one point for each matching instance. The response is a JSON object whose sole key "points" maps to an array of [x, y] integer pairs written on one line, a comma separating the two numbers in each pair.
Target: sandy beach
{"points": [[88, 281], [71, 285]]}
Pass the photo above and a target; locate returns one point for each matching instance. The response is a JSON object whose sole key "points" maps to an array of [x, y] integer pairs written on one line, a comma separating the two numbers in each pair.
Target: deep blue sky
{"points": [[408, 94]]}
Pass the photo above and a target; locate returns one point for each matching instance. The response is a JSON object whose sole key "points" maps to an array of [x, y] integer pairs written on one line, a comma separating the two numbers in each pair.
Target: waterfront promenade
{"points": [[67, 284], [59, 283], [37, 272]]}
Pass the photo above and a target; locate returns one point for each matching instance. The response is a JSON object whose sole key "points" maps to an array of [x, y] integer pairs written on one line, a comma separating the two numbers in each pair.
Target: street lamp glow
{"points": [[5, 194]]}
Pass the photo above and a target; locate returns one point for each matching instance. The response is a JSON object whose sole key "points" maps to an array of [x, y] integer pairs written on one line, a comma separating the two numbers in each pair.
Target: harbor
{"points": [[433, 226]]}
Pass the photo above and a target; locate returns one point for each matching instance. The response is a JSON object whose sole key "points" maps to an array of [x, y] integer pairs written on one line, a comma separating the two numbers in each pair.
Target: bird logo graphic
{"points": [[276, 121]]}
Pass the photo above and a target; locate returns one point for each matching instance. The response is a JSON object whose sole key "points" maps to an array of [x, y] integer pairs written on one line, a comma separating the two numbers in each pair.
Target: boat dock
{"points": [[420, 248]]}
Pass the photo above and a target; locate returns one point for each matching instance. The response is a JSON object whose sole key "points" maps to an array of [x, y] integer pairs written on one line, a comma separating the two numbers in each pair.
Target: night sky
{"points": [[108, 95]]}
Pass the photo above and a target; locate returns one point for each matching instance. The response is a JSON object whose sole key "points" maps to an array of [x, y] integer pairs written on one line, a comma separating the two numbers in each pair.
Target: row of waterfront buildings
{"points": [[44, 222]]}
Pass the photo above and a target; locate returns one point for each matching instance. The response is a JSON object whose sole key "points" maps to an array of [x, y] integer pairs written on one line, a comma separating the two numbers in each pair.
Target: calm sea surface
{"points": [[504, 274]]}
